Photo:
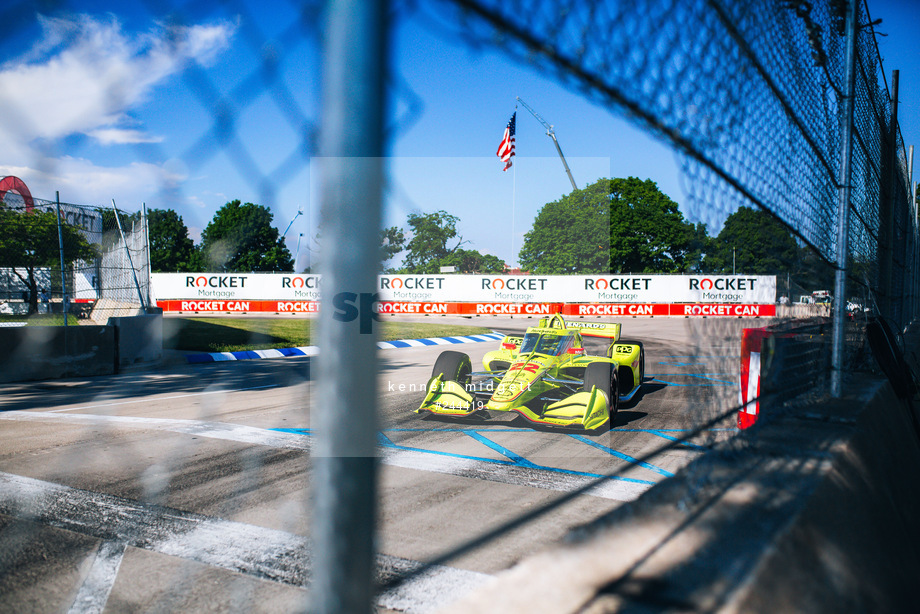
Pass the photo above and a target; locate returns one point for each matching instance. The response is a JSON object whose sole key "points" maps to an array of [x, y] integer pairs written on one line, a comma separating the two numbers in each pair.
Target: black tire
{"points": [[603, 375], [455, 366], [641, 357]]}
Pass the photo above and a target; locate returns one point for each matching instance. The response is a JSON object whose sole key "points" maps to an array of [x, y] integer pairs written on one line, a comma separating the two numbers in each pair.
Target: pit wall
{"points": [[49, 352], [813, 510]]}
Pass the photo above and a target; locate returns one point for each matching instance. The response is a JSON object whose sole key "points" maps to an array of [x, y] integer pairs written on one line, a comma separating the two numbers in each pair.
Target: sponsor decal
{"points": [[723, 310], [297, 307], [300, 281], [215, 305], [618, 283], [723, 283], [411, 283], [517, 282], [215, 281], [530, 367], [405, 307], [617, 309]]}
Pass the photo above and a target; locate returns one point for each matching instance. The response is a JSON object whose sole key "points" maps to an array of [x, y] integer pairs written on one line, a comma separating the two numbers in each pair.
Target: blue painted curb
{"points": [[312, 350]]}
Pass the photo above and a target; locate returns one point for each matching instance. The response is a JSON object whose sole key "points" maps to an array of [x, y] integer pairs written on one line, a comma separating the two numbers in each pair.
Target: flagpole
{"points": [[513, 198], [513, 201]]}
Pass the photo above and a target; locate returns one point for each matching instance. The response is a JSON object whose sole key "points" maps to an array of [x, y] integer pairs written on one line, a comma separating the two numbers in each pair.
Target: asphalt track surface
{"points": [[187, 488]]}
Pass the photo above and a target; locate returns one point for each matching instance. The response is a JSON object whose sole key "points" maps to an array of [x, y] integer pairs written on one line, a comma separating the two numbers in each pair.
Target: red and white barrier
{"points": [[749, 392]]}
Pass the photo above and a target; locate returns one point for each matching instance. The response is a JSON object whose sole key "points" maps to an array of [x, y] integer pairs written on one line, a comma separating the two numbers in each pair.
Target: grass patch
{"points": [[238, 334], [42, 319]]}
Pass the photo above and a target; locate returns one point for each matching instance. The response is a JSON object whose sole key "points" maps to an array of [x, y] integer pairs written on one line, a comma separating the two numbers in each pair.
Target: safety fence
{"points": [[783, 106], [752, 95], [86, 262]]}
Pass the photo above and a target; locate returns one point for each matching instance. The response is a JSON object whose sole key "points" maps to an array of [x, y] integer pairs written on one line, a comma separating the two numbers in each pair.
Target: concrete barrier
{"points": [[45, 352], [816, 509], [139, 339]]}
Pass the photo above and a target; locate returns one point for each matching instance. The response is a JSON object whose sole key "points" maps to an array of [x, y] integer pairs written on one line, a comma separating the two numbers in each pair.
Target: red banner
{"points": [[609, 310], [616, 309]]}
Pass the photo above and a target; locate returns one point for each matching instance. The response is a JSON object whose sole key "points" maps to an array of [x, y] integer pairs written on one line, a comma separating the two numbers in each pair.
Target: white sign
{"points": [[726, 289], [235, 286]]}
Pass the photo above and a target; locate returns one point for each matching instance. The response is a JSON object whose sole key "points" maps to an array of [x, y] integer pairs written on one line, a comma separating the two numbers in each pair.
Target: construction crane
{"points": [[552, 135], [297, 215]]}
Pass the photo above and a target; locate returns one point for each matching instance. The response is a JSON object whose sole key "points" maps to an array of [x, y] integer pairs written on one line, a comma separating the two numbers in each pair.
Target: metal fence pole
{"points": [[344, 417], [843, 209], [57, 201], [147, 246], [124, 241]]}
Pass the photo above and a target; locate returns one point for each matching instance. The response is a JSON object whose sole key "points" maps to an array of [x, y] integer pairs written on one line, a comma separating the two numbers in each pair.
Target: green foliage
{"points": [[429, 248], [471, 261], [464, 260], [110, 233], [392, 241], [171, 248], [241, 238], [648, 234], [30, 240], [431, 233], [761, 244], [699, 244], [612, 226]]}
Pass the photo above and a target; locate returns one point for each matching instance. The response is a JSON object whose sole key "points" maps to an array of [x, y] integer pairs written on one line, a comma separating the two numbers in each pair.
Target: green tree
{"points": [[241, 238], [648, 233], [471, 261], [431, 235], [30, 240], [463, 260], [111, 235], [611, 226], [753, 242], [392, 241], [698, 245], [171, 248]]}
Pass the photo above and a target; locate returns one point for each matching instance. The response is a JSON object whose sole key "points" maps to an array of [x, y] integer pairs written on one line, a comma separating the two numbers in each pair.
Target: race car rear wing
{"points": [[596, 329]]}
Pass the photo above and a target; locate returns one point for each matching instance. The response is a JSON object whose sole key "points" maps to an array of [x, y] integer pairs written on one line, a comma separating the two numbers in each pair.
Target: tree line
{"points": [[618, 225]]}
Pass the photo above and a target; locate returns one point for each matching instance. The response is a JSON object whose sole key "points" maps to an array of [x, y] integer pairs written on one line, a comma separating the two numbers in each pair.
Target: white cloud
{"points": [[87, 83], [118, 136], [83, 77]]}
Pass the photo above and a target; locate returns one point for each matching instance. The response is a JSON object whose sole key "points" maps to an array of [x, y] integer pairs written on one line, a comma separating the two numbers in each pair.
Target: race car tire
{"points": [[604, 376], [455, 366], [641, 358]]}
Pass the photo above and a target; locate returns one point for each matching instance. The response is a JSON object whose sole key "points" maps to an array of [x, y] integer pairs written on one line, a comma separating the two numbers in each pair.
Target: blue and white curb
{"points": [[312, 350]]}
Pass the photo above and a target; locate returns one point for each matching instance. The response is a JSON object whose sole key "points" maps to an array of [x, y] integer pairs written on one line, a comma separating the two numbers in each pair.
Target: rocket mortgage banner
{"points": [[589, 289]]}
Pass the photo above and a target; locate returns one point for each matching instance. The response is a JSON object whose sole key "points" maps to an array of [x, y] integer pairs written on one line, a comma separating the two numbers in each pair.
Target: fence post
{"points": [[57, 200], [344, 416], [124, 242], [147, 245], [843, 209]]}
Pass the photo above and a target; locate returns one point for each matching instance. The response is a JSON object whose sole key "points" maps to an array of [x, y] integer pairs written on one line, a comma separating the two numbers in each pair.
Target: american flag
{"points": [[506, 147]]}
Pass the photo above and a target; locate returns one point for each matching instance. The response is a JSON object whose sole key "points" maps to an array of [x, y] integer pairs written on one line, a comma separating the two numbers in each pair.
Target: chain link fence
{"points": [[750, 96], [64, 264]]}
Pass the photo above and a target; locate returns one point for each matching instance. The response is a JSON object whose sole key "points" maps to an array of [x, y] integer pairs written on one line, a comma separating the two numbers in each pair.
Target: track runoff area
{"points": [[152, 488]]}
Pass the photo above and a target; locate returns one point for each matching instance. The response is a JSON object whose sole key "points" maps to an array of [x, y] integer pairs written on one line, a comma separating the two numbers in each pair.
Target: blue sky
{"points": [[109, 100]]}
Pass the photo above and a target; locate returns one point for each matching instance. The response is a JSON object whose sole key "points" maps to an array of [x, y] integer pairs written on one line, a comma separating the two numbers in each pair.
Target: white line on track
{"points": [[546, 479], [258, 551], [95, 590]]}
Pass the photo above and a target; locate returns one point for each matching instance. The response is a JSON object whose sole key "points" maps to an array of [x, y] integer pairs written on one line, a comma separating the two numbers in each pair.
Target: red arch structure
{"points": [[15, 184]]}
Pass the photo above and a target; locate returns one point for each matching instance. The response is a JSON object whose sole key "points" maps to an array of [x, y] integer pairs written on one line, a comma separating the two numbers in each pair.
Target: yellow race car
{"points": [[545, 376]]}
